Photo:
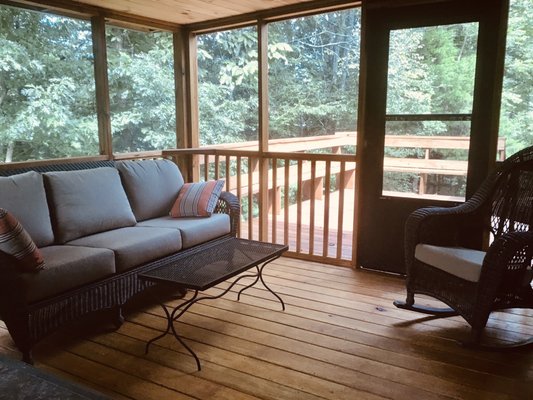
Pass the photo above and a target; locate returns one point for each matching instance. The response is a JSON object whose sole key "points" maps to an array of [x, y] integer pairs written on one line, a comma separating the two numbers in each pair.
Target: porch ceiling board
{"points": [[184, 12]]}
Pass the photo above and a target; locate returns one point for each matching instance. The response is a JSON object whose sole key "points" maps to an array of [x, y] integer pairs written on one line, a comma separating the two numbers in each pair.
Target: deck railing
{"points": [[306, 200], [299, 199]]}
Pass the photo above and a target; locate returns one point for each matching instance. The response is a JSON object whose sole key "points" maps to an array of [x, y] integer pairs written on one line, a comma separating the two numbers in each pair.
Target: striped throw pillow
{"points": [[197, 199], [15, 241]]}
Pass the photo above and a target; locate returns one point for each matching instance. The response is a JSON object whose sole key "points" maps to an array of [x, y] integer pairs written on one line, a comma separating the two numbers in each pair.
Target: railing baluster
{"points": [[340, 219], [312, 209], [274, 204], [217, 167], [251, 169], [239, 185], [206, 167], [327, 184], [286, 203], [299, 208], [228, 165]]}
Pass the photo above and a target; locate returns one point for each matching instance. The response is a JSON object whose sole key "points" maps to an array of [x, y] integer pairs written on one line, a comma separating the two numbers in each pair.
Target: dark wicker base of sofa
{"points": [[41, 319]]}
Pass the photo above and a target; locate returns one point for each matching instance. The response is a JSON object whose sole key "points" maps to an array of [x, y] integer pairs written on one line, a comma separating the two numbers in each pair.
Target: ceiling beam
{"points": [[86, 11]]}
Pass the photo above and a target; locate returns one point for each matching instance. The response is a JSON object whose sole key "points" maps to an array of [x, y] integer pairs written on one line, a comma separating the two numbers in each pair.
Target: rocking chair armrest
{"points": [[436, 225], [508, 261]]}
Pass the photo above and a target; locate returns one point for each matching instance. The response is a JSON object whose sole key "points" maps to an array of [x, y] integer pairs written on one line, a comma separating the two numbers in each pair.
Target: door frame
{"points": [[378, 19]]}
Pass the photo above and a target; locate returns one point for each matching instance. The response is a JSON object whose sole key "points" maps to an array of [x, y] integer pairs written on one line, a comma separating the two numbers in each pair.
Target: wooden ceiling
{"points": [[186, 12]]}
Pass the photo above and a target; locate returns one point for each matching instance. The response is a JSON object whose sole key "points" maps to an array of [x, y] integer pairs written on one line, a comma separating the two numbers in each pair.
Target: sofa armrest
{"points": [[229, 204]]}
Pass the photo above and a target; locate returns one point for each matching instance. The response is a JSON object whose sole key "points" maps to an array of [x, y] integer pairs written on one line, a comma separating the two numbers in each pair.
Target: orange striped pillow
{"points": [[197, 199], [15, 241]]}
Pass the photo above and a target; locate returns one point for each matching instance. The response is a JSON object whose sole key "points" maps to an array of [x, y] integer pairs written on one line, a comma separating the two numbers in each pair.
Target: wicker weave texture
{"points": [[503, 208]]}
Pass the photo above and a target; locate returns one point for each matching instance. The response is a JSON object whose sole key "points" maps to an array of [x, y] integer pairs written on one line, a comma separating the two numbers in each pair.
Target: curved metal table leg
{"points": [[259, 277]]}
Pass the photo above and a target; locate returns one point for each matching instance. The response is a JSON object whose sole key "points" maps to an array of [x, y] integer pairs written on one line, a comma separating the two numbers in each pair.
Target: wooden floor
{"points": [[339, 338]]}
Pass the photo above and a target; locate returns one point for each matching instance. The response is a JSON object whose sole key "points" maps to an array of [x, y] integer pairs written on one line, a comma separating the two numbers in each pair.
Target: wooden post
{"points": [[102, 86], [422, 184], [192, 137], [180, 44], [262, 28]]}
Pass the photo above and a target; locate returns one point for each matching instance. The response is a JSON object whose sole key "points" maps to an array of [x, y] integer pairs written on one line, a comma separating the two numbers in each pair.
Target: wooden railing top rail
{"points": [[254, 154], [349, 138]]}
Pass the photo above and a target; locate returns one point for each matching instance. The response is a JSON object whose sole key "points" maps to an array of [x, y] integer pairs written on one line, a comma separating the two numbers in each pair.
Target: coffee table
{"points": [[201, 270]]}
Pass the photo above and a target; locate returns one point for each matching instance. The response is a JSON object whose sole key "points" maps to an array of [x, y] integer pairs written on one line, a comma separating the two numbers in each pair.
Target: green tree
{"points": [[141, 89], [516, 119], [47, 103]]}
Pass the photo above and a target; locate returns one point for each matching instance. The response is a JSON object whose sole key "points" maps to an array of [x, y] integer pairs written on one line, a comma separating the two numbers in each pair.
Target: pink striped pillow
{"points": [[197, 199], [15, 241]]}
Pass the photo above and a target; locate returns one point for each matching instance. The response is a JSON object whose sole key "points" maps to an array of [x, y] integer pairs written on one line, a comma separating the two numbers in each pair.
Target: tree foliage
{"points": [[47, 89], [47, 103]]}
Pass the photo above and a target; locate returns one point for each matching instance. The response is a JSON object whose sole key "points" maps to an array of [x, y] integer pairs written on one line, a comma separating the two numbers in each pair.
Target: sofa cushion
{"points": [[134, 246], [151, 185], [15, 241], [463, 263], [197, 199], [23, 196], [68, 267], [194, 230], [87, 201]]}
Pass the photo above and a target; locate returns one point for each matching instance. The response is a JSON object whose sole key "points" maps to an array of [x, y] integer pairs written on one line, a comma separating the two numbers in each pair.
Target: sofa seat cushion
{"points": [[134, 246], [68, 267], [23, 195], [87, 201], [463, 263], [194, 230], [151, 185]]}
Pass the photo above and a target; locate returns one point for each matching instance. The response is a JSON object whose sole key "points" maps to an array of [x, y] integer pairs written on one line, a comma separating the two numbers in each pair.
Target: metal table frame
{"points": [[187, 264]]}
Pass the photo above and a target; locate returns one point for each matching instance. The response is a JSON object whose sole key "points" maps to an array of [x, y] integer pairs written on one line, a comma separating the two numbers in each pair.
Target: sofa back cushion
{"points": [[87, 201], [23, 195], [152, 186]]}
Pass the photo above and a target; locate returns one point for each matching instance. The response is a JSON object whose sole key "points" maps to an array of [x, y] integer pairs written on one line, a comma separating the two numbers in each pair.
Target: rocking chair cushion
{"points": [[463, 263]]}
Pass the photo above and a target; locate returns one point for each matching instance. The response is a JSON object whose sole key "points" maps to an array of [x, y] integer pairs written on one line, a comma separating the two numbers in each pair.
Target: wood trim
{"points": [[274, 199], [191, 77], [487, 93], [138, 155], [102, 86], [262, 30], [299, 200], [320, 259], [80, 10], [180, 45], [227, 172], [327, 184], [286, 201], [312, 208], [252, 167], [273, 14], [340, 218], [268, 154]]}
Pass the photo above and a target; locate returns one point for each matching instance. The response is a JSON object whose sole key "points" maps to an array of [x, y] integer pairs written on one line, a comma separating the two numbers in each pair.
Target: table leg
{"points": [[259, 277], [171, 317]]}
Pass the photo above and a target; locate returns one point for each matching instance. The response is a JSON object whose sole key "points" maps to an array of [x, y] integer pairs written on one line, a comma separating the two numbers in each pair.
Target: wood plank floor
{"points": [[339, 338]]}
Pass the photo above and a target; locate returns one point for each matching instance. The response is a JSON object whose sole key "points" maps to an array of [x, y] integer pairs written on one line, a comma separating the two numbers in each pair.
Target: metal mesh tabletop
{"points": [[223, 260]]}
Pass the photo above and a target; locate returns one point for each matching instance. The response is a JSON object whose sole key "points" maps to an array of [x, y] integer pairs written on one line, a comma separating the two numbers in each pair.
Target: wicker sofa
{"points": [[97, 226]]}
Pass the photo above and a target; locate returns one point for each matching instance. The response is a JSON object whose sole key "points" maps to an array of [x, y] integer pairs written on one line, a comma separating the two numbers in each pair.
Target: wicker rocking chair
{"points": [[443, 262]]}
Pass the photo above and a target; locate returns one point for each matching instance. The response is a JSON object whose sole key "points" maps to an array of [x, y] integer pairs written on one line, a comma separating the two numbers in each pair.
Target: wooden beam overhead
{"points": [[195, 15], [83, 10]]}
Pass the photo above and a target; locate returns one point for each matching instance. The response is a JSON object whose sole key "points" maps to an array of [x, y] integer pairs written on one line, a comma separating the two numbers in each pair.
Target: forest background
{"points": [[47, 93]]}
